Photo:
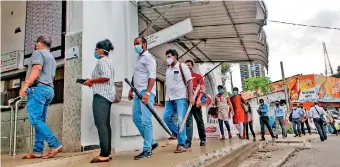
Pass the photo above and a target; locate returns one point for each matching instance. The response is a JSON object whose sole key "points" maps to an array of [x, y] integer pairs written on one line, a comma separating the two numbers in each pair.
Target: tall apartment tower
{"points": [[251, 70]]}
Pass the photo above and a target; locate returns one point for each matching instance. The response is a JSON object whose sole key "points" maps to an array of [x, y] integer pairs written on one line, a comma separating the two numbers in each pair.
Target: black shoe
{"points": [[188, 145], [202, 143], [154, 146], [144, 155]]}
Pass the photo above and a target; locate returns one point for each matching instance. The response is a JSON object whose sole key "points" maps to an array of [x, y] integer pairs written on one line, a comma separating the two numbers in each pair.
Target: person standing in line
{"points": [[224, 109], [249, 124], [316, 113], [179, 89], [102, 84], [196, 109], [239, 113], [39, 89], [144, 77], [279, 115], [264, 119], [304, 121], [297, 115]]}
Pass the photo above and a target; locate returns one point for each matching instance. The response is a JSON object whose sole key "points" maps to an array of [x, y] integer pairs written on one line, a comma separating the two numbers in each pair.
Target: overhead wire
{"points": [[304, 25]]}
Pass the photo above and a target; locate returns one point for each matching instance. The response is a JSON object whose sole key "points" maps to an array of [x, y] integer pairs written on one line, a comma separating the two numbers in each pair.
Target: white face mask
{"points": [[169, 60]]}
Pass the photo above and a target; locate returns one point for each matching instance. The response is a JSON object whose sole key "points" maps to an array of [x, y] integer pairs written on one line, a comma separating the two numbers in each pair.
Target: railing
{"points": [[58, 93]]}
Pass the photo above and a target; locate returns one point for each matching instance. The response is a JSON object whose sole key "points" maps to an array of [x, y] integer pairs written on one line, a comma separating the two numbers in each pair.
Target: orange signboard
{"points": [[307, 88]]}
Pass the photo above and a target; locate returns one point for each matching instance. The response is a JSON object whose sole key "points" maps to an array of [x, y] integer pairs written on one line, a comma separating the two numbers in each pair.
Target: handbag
{"points": [[213, 112], [324, 122], [119, 91]]}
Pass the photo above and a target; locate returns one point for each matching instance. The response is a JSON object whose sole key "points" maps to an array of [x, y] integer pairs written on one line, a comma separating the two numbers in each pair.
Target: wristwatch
{"points": [[148, 93]]}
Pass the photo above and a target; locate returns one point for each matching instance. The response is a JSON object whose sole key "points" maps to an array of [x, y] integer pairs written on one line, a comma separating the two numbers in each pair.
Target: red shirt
{"points": [[196, 78]]}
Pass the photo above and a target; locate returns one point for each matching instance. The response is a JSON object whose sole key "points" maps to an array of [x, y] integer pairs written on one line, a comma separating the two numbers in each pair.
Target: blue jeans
{"points": [[296, 126], [37, 103], [180, 106], [142, 118]]}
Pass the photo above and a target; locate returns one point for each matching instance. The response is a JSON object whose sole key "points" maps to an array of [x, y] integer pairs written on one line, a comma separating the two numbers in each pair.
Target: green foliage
{"points": [[338, 74], [260, 85], [225, 68], [289, 128]]}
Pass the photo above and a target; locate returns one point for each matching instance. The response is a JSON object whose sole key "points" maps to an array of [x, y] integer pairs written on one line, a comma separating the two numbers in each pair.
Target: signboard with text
{"points": [[170, 33], [10, 61]]}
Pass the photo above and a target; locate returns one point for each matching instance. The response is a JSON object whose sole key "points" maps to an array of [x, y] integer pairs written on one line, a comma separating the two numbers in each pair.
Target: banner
{"points": [[328, 89]]}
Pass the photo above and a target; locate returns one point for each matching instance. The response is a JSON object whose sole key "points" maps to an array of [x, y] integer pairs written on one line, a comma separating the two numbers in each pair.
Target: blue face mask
{"points": [[234, 92], [139, 49], [96, 55], [220, 91]]}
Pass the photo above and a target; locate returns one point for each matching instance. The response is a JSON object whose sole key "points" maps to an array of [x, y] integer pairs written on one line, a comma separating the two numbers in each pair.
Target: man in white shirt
{"points": [[144, 78], [316, 113], [179, 88]]}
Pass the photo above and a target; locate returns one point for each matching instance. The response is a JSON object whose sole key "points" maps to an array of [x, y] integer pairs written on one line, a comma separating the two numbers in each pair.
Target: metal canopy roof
{"points": [[224, 31]]}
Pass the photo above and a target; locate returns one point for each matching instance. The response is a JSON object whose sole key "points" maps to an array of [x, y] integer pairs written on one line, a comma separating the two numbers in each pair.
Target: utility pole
{"points": [[285, 86]]}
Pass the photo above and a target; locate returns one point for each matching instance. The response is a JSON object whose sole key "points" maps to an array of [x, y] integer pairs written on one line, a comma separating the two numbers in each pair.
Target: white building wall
{"points": [[11, 41]]}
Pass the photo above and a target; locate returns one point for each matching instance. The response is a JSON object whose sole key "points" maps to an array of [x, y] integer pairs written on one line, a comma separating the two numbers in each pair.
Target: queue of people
{"points": [[181, 83]]}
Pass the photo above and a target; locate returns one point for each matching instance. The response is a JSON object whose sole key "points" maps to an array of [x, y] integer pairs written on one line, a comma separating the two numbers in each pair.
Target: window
{"points": [[160, 93]]}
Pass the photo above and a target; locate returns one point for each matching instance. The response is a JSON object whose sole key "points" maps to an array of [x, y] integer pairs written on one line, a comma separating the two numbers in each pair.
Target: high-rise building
{"points": [[251, 70]]}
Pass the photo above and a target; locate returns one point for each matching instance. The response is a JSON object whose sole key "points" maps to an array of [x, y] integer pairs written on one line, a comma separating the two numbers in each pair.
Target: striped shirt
{"points": [[104, 69]]}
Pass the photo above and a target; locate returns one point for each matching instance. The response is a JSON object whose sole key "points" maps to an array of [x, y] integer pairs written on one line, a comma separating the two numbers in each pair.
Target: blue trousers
{"points": [[142, 118], [179, 106], [37, 104]]}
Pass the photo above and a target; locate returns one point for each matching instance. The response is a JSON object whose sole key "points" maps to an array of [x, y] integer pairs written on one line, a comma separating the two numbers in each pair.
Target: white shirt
{"points": [[313, 112], [104, 69], [175, 88], [145, 68]]}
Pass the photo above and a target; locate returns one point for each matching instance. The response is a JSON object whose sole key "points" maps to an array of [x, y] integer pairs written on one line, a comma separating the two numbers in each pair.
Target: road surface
{"points": [[326, 154]]}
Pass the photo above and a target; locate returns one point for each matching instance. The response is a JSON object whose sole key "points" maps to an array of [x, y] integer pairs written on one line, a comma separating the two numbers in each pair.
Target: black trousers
{"points": [[249, 125], [197, 113], [264, 121], [303, 127], [101, 113], [320, 127]]}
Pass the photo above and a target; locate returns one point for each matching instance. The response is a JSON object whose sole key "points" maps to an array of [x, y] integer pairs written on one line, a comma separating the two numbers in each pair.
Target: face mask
{"points": [[190, 68], [170, 60], [220, 91], [139, 49], [96, 55], [234, 92]]}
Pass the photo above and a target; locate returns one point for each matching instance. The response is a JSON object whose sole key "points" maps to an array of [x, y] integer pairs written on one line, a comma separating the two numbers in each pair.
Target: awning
{"points": [[224, 31]]}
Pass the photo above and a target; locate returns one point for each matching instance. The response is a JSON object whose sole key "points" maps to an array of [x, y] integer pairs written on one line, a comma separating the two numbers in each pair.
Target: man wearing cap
{"points": [[316, 113], [196, 109], [279, 115], [179, 89], [39, 89], [144, 77]]}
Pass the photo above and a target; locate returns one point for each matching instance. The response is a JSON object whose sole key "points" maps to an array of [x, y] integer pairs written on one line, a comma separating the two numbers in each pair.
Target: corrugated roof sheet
{"points": [[232, 29]]}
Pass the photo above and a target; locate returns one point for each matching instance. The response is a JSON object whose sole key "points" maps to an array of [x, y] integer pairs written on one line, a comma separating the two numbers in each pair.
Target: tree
{"points": [[260, 85], [338, 73], [225, 69]]}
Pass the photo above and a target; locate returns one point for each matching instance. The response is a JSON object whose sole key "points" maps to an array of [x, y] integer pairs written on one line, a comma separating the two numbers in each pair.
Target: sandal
{"points": [[97, 160], [31, 156], [53, 152]]}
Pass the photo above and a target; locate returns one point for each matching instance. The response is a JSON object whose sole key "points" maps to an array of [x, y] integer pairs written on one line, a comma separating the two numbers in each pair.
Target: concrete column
{"points": [[73, 70]]}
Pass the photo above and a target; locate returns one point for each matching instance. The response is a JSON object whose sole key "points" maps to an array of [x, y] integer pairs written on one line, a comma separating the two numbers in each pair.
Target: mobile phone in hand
{"points": [[81, 81]]}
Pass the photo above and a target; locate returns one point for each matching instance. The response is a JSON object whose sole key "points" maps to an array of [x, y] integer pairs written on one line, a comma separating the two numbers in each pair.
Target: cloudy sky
{"points": [[300, 48]]}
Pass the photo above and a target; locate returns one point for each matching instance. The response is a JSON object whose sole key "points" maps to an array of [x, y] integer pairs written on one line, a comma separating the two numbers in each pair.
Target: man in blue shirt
{"points": [[264, 119], [279, 115], [297, 115]]}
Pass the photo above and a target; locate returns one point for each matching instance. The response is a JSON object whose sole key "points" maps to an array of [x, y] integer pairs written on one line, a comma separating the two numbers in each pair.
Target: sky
{"points": [[300, 48]]}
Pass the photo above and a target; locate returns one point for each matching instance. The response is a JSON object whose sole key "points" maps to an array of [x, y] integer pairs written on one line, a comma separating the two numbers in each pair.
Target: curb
{"points": [[284, 159], [236, 157]]}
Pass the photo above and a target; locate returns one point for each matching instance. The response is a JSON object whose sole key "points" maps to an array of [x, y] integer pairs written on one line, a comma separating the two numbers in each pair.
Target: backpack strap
{"points": [[181, 70]]}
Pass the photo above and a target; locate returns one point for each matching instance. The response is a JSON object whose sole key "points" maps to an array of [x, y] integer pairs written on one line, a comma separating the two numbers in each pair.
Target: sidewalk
{"points": [[163, 155]]}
